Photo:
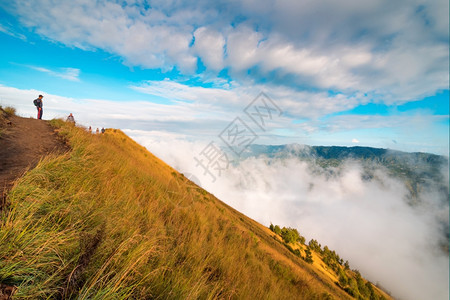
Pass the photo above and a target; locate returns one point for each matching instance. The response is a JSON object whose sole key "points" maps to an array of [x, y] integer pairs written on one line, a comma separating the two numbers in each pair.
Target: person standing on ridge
{"points": [[71, 119], [39, 105]]}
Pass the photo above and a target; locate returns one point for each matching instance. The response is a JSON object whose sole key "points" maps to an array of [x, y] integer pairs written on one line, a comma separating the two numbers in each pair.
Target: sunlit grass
{"points": [[109, 220], [9, 110]]}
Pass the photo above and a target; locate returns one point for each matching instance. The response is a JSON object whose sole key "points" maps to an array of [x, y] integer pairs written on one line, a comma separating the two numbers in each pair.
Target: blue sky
{"points": [[367, 73]]}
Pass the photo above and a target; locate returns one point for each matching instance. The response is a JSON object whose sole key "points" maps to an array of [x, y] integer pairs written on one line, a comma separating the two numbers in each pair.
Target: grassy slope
{"points": [[109, 220], [327, 271]]}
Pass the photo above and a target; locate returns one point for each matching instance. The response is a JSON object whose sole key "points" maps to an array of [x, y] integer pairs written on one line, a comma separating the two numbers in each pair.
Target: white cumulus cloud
{"points": [[396, 51]]}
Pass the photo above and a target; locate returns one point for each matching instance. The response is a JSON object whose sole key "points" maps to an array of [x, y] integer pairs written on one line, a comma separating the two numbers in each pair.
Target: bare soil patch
{"points": [[23, 143]]}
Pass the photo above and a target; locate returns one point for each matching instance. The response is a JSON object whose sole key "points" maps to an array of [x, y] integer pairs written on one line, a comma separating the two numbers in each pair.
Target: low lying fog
{"points": [[368, 223]]}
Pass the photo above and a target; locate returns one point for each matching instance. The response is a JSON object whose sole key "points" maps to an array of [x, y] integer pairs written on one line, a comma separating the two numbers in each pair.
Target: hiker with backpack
{"points": [[71, 119], [39, 105]]}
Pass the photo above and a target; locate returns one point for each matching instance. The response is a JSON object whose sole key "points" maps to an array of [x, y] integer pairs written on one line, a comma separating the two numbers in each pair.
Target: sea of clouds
{"points": [[368, 222]]}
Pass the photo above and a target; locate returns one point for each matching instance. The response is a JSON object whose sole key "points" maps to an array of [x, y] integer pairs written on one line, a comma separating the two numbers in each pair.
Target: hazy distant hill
{"points": [[341, 153], [420, 171]]}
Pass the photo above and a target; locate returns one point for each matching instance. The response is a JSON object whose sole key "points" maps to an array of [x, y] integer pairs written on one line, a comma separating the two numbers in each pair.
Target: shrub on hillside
{"points": [[10, 111], [372, 294], [343, 280], [352, 288], [290, 235], [277, 229], [308, 256], [362, 287], [347, 265], [315, 246]]}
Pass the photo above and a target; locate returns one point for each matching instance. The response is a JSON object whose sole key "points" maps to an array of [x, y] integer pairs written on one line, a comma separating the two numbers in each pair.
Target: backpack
{"points": [[35, 102]]}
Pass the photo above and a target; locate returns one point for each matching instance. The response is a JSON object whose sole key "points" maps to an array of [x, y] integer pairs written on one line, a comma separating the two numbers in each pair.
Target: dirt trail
{"points": [[23, 142]]}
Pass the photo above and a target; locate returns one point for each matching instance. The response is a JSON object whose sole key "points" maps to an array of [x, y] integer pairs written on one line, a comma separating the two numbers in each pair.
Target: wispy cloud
{"points": [[9, 31], [417, 122], [203, 114], [182, 117], [71, 74], [176, 91], [233, 98]]}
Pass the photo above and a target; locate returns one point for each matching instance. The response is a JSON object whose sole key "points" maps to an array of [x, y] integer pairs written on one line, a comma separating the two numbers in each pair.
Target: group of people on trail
{"points": [[97, 131], [70, 118]]}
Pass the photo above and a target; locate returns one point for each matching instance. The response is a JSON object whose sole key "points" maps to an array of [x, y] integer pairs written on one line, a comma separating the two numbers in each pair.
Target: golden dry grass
{"points": [[109, 220]]}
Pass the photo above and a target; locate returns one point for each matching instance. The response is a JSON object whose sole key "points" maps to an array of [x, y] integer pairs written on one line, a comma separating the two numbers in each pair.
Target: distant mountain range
{"points": [[341, 153], [419, 171]]}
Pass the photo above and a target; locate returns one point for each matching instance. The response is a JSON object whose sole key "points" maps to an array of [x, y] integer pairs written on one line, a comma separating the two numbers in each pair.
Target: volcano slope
{"points": [[108, 220]]}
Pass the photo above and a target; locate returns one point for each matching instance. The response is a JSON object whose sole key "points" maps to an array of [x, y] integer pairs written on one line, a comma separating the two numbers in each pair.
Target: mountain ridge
{"points": [[109, 220], [418, 170], [337, 152]]}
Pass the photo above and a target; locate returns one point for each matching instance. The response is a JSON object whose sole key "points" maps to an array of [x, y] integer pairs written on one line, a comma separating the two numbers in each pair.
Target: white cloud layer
{"points": [[200, 113], [395, 51], [366, 222]]}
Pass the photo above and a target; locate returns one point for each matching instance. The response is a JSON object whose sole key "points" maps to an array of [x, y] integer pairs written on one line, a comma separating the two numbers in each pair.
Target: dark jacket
{"points": [[38, 103]]}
